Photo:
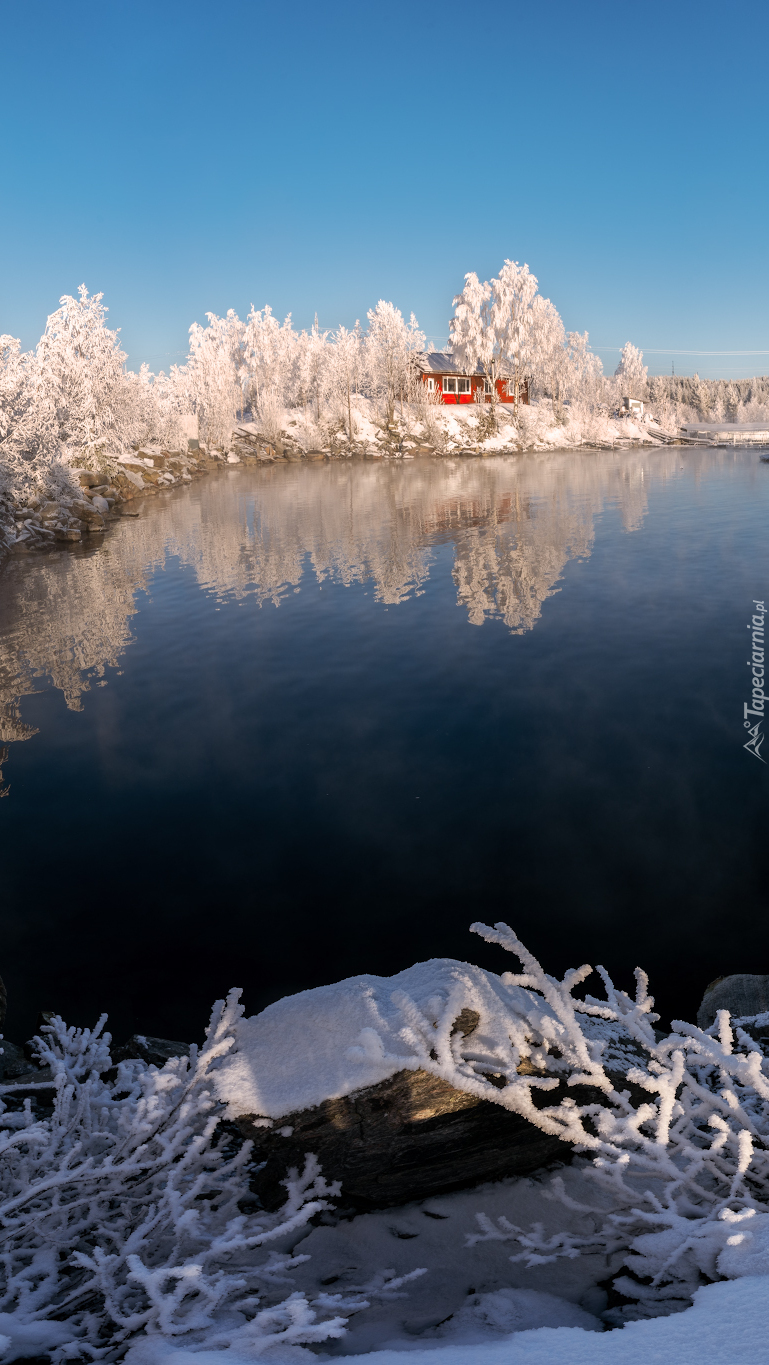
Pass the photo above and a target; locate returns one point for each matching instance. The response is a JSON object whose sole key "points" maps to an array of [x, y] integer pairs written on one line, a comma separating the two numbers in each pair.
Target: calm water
{"points": [[297, 723]]}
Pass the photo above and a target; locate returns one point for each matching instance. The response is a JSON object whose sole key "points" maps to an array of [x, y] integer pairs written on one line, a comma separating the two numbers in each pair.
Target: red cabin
{"points": [[441, 374]]}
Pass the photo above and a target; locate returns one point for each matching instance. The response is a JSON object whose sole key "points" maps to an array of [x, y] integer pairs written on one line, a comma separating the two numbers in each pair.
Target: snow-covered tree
{"points": [[631, 372], [584, 373], [82, 368], [547, 352], [514, 291], [313, 375], [391, 344], [492, 326], [345, 366], [213, 370], [269, 357], [473, 335]]}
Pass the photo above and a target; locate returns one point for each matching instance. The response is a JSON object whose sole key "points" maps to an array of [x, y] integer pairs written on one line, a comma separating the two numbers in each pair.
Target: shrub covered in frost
{"points": [[677, 1125], [125, 1215]]}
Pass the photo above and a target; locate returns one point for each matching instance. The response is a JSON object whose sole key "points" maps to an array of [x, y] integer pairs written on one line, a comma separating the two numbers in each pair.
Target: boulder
{"points": [[741, 994], [100, 504], [409, 1137], [89, 479], [67, 533]]}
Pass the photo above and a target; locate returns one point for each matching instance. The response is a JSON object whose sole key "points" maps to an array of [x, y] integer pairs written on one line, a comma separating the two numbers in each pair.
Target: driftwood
{"points": [[409, 1137]]}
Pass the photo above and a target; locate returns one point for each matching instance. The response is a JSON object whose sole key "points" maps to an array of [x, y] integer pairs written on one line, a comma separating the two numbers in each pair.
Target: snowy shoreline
{"points": [[82, 501]]}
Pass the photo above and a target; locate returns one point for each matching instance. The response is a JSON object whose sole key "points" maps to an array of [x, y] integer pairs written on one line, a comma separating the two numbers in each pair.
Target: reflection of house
{"points": [[441, 373]]}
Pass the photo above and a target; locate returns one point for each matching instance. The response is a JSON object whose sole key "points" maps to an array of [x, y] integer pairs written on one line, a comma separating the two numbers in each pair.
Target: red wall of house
{"points": [[503, 396]]}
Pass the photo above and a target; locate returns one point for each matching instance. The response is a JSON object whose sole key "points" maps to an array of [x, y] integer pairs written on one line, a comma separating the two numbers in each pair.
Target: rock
{"points": [[49, 511], [89, 479], [741, 994], [88, 514], [67, 533], [315, 455], [155, 1051], [100, 504], [13, 1061], [408, 1137]]}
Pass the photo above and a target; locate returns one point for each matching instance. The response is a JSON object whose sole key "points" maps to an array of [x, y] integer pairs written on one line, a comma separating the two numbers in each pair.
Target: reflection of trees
{"points": [[513, 522]]}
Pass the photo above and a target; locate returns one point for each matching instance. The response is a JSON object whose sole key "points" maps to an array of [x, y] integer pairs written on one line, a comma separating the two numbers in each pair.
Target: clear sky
{"points": [[204, 155]]}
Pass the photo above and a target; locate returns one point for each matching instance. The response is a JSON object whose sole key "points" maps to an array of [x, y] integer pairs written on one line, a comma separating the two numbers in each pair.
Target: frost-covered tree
{"points": [[547, 352], [213, 370], [312, 375], [345, 366], [473, 337], [514, 291], [82, 369], [29, 427], [492, 326], [391, 344], [269, 357], [631, 372], [584, 373]]}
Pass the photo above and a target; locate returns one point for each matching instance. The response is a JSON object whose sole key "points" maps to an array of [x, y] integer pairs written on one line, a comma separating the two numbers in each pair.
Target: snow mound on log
{"points": [[325, 1043]]}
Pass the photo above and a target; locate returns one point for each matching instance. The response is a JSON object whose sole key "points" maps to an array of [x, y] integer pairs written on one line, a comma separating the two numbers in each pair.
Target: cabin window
{"points": [[449, 384], [487, 386], [463, 386], [431, 386]]}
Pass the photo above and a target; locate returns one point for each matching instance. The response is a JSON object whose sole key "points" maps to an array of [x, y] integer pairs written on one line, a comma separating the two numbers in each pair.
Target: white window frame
{"points": [[487, 387], [449, 383], [431, 385], [463, 385]]}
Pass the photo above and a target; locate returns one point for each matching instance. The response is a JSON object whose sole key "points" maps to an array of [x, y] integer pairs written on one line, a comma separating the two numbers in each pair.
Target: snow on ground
{"points": [[469, 1293], [725, 1326]]}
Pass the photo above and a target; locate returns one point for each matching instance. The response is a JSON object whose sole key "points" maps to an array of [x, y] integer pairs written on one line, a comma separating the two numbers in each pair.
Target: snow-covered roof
{"points": [[325, 1043], [443, 362]]}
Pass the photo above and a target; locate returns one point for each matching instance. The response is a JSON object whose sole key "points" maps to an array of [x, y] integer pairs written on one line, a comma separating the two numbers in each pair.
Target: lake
{"points": [[305, 721]]}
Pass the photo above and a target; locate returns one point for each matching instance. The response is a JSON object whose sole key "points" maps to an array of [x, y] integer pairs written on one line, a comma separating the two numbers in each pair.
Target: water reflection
{"points": [[514, 523]]}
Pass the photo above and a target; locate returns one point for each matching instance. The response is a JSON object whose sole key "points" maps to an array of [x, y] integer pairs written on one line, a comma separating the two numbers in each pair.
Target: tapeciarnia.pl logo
{"points": [[755, 707]]}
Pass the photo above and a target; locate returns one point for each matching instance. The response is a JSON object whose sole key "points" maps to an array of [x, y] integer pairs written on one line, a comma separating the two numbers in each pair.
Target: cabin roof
{"points": [[443, 362]]}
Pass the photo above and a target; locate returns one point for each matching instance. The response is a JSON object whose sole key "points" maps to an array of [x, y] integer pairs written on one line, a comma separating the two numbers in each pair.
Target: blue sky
{"points": [[186, 157]]}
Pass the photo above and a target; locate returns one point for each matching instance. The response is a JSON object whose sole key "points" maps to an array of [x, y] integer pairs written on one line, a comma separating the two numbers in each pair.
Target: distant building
{"points": [[633, 405], [441, 374]]}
